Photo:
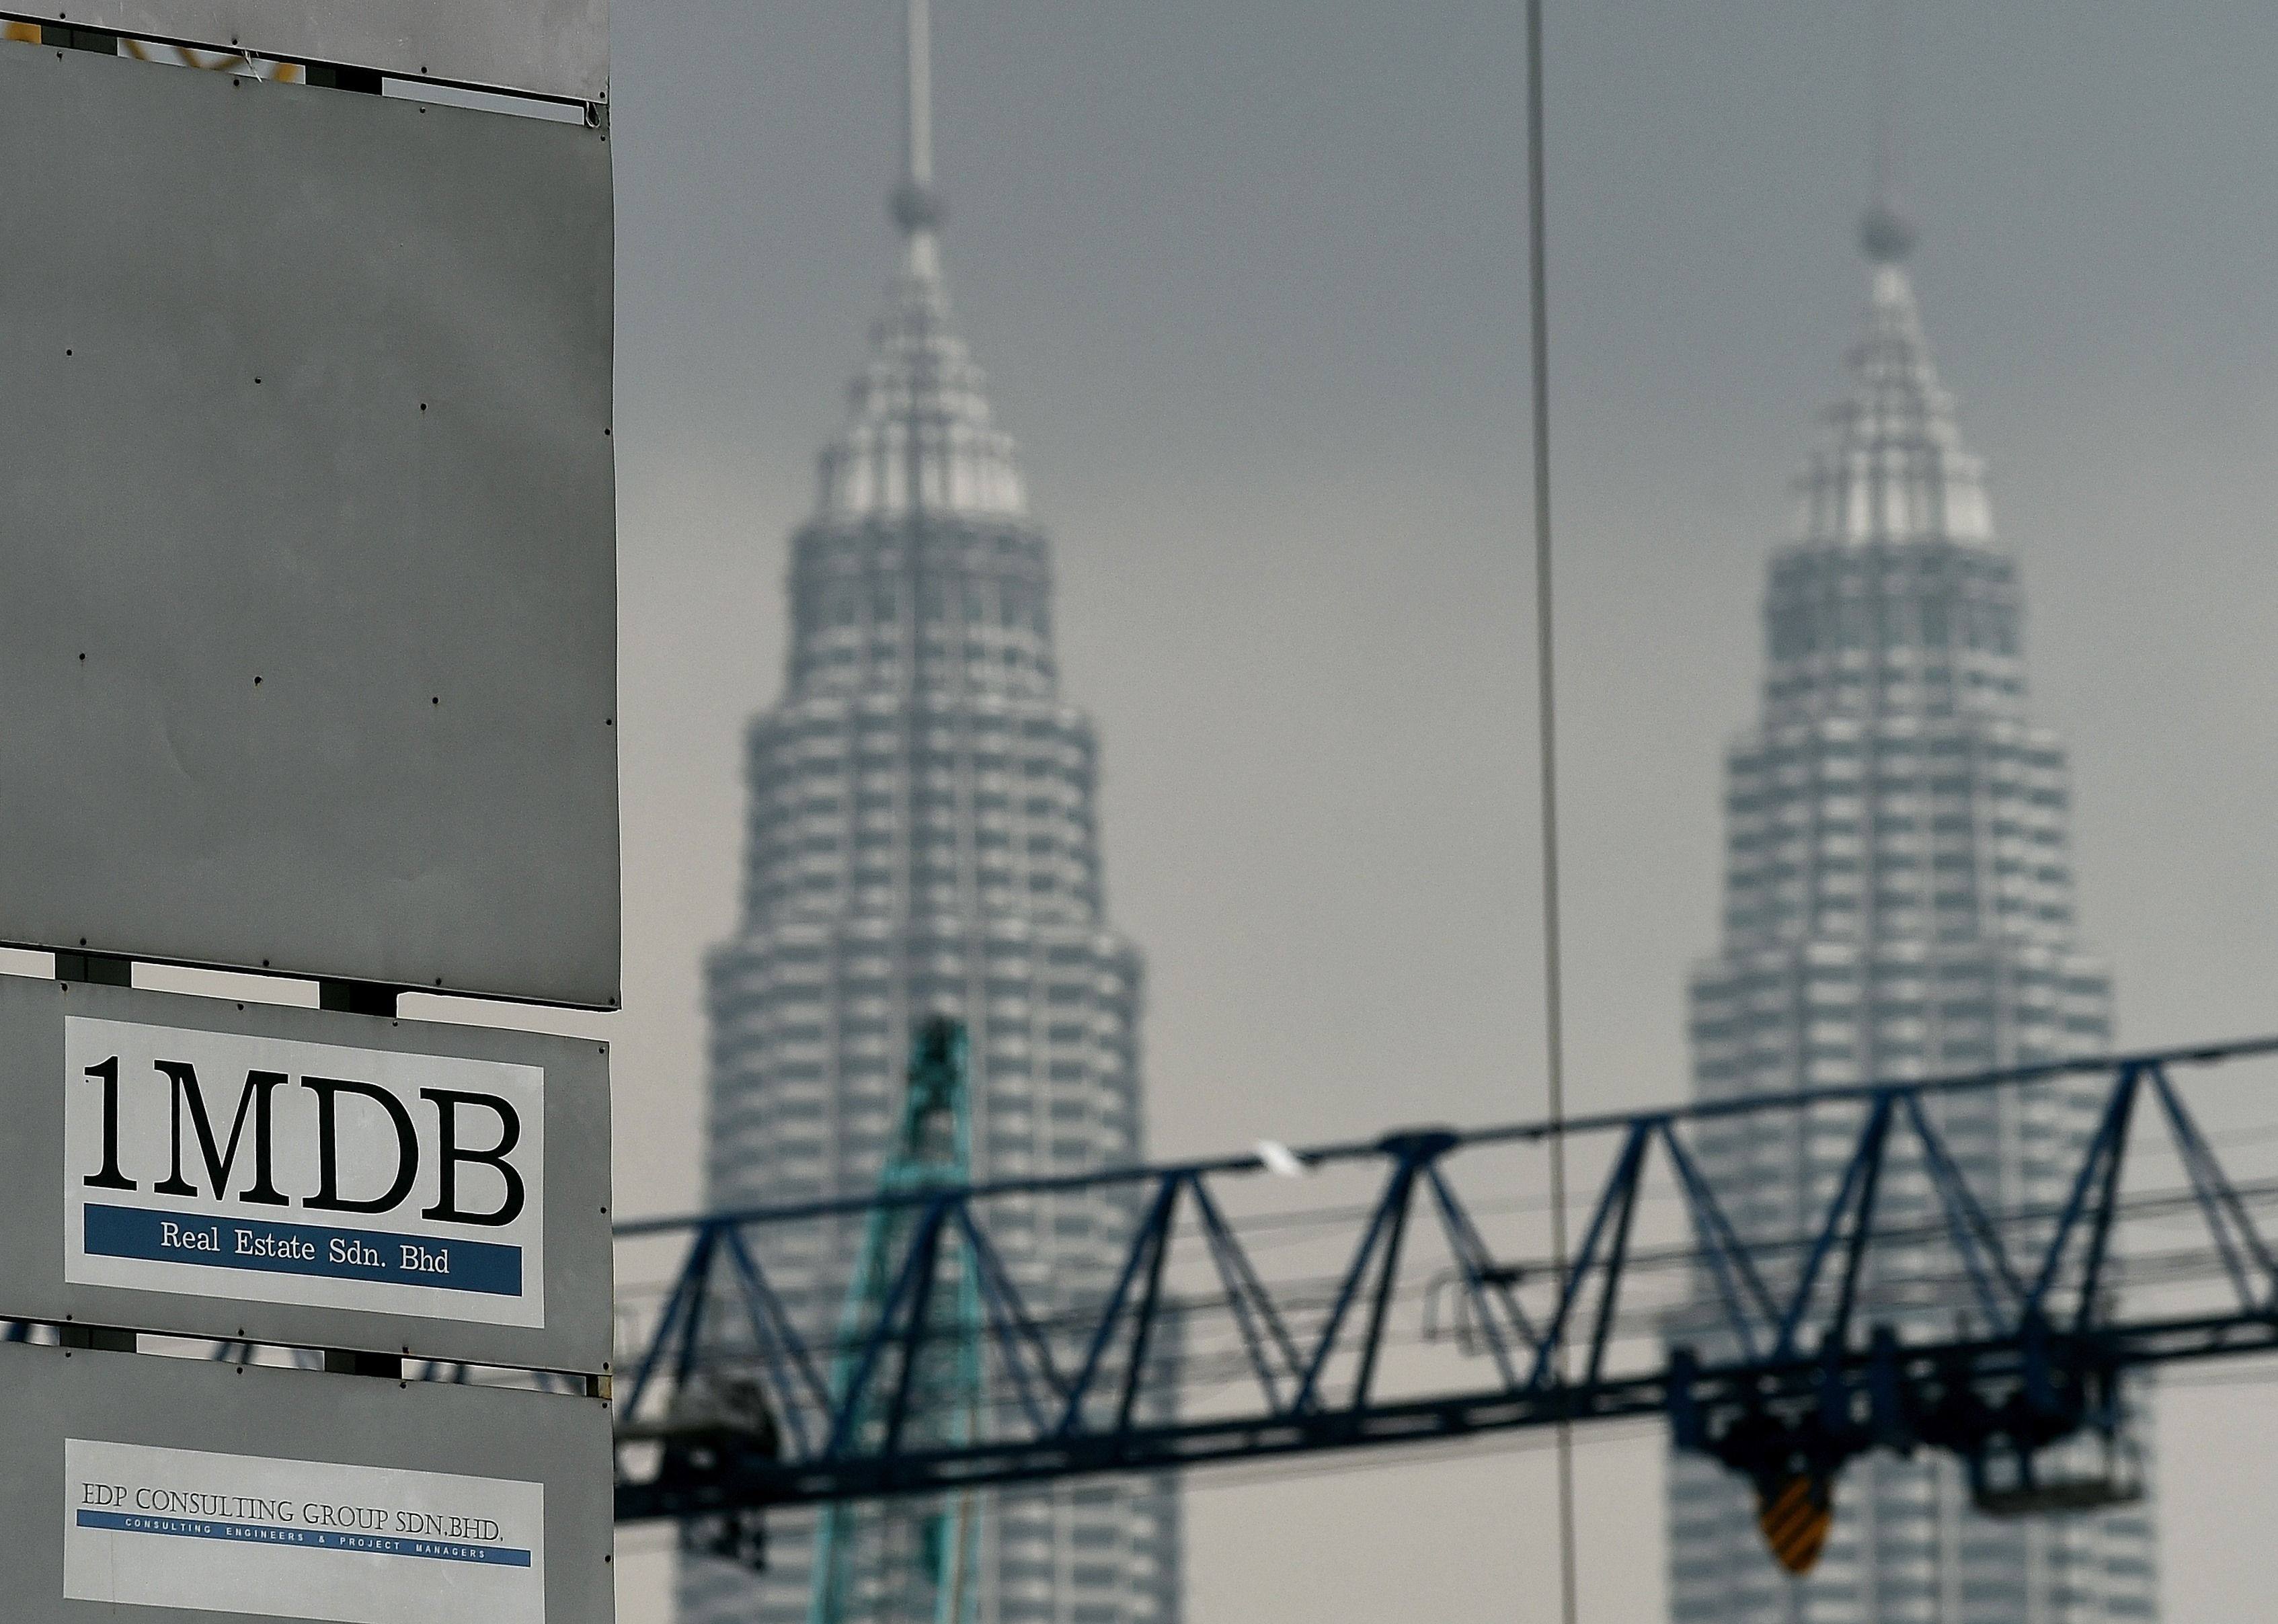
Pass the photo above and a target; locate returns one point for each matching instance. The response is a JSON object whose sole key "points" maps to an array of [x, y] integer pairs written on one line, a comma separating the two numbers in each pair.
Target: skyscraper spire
{"points": [[1885, 234], [1891, 465], [918, 436], [916, 206]]}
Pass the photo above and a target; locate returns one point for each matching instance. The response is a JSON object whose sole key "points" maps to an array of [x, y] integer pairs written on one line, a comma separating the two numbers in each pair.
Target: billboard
{"points": [[243, 1171], [308, 608], [548, 48], [196, 1492]]}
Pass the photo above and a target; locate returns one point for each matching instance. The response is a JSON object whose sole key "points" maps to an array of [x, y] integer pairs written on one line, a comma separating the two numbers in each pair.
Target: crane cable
{"points": [[1554, 1028]]}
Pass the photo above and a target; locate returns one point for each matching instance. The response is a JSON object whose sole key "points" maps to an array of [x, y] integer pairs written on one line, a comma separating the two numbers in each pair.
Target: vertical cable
{"points": [[1553, 991]]}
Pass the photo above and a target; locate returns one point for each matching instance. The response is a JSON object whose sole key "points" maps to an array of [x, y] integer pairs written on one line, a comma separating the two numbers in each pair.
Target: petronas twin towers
{"points": [[1898, 903], [923, 837]]}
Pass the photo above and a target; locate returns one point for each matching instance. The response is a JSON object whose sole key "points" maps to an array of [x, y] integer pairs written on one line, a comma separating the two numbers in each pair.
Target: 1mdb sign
{"points": [[292, 1171], [212, 1168]]}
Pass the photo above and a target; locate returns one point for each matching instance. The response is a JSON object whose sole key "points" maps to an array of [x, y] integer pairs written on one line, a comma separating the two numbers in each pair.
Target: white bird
{"points": [[1279, 1159]]}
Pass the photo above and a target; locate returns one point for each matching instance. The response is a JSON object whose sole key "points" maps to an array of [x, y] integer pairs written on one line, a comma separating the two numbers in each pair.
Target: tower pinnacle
{"points": [[916, 207], [1885, 236], [918, 435]]}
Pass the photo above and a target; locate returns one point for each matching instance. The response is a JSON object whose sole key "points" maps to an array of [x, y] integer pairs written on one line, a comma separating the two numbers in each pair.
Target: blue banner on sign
{"points": [[270, 1247], [321, 1539]]}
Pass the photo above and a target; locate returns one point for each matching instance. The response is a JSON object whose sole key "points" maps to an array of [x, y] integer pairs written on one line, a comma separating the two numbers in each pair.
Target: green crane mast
{"points": [[909, 1561]]}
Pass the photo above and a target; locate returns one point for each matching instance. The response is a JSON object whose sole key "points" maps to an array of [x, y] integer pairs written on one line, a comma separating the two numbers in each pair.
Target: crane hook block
{"points": [[1795, 1518]]}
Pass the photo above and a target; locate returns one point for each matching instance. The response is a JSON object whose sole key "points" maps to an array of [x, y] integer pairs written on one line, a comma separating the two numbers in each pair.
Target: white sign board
{"points": [[316, 1173], [306, 1176], [141, 1489], [307, 1539]]}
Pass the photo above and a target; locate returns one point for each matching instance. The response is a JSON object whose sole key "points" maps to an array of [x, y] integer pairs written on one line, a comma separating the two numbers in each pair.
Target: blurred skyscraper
{"points": [[1897, 902], [924, 837]]}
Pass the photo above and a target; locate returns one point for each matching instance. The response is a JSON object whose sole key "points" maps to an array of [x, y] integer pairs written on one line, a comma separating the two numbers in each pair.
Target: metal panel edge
{"points": [[556, 49]]}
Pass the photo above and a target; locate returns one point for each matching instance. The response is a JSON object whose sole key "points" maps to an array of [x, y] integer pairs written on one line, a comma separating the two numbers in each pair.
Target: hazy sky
{"points": [[1247, 278]]}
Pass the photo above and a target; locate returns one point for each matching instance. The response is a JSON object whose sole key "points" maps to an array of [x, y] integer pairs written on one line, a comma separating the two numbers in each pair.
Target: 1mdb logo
{"points": [[285, 1170], [391, 1144]]}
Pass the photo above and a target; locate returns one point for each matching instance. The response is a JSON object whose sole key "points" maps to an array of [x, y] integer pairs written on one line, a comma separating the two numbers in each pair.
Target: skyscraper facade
{"points": [[924, 838], [1898, 903]]}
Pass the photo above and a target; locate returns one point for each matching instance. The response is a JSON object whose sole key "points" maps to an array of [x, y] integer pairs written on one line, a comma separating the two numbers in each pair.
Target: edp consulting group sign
{"points": [[288, 1175], [180, 1488], [357, 1545]]}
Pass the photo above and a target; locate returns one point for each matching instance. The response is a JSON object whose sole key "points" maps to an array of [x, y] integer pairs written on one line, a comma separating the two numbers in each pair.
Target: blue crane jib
{"points": [[1941, 1295]]}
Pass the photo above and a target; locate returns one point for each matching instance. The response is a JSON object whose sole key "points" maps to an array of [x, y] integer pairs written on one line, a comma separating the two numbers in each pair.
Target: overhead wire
{"points": [[1554, 1035]]}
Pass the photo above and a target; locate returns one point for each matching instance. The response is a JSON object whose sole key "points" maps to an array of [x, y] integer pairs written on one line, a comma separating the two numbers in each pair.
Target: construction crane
{"points": [[920, 1388], [1918, 1309], [887, 1562]]}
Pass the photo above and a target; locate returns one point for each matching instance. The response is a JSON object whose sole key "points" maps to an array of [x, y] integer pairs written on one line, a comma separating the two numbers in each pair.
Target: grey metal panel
{"points": [[188, 1404], [306, 533], [579, 1261], [546, 48]]}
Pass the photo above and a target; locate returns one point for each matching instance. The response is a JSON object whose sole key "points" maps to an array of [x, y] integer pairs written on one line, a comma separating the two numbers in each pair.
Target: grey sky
{"points": [[1248, 280]]}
